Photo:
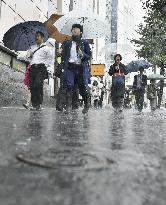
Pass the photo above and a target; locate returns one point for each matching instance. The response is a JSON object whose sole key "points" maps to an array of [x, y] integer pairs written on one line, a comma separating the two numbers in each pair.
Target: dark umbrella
{"points": [[134, 66], [21, 36]]}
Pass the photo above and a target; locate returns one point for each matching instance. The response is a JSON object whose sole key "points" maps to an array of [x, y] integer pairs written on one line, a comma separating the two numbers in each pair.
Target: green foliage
{"points": [[152, 42]]}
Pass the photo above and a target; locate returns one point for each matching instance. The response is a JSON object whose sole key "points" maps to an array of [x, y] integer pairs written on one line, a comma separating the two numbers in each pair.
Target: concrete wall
{"points": [[13, 92], [12, 89]]}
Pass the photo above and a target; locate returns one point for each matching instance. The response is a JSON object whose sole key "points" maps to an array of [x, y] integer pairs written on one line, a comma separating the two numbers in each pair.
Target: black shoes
{"points": [[85, 110], [38, 108]]}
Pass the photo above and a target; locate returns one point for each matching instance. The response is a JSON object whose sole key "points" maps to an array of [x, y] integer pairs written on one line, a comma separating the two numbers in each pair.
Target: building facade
{"points": [[15, 11], [124, 17], [97, 7]]}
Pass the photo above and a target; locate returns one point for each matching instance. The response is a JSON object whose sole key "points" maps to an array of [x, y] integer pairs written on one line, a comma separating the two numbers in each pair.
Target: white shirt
{"points": [[43, 55], [74, 58]]}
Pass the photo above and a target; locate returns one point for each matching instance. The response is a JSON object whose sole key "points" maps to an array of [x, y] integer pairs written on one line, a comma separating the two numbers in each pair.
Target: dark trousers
{"points": [[61, 99], [117, 96], [37, 75], [139, 97], [117, 102], [96, 103], [73, 80]]}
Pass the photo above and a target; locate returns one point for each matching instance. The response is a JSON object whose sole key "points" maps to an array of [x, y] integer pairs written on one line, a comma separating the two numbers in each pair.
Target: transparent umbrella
{"points": [[156, 77], [94, 26], [114, 48]]}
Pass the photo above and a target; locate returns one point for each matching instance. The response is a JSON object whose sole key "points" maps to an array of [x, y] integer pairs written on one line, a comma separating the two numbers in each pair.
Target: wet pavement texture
{"points": [[49, 158]]}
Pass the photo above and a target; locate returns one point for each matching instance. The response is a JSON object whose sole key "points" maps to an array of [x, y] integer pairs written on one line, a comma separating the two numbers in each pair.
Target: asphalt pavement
{"points": [[104, 158]]}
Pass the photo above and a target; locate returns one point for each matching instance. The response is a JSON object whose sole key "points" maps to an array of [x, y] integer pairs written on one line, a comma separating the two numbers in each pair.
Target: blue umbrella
{"points": [[21, 36], [134, 66]]}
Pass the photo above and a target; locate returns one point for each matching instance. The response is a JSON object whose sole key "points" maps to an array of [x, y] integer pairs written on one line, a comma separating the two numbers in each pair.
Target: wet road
{"points": [[100, 159]]}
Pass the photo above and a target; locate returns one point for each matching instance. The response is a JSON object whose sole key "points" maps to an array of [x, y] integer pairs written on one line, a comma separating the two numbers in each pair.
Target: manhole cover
{"points": [[64, 158]]}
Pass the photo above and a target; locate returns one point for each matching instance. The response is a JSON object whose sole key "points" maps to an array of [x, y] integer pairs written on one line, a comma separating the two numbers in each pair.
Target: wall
{"points": [[13, 12], [16, 11], [13, 92]]}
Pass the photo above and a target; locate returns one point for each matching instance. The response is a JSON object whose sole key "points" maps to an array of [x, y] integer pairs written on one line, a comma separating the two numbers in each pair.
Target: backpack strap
{"points": [[38, 49]]}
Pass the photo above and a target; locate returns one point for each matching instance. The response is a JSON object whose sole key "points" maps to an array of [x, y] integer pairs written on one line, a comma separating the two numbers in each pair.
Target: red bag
{"points": [[26, 78]]}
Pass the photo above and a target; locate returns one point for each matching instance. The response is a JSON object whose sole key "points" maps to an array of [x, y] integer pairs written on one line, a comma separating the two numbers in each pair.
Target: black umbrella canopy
{"points": [[21, 36]]}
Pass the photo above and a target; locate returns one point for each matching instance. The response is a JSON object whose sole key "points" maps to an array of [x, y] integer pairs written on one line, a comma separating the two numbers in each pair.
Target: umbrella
{"points": [[134, 66], [114, 47], [21, 36], [156, 77], [93, 25]]}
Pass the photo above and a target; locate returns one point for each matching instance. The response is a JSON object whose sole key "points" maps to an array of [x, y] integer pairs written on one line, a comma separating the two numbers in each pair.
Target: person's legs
{"points": [[39, 82], [61, 96], [159, 101], [117, 97], [69, 82], [40, 95], [114, 97], [115, 103], [120, 103], [153, 104], [137, 99], [61, 99], [28, 102], [86, 97], [28, 98], [58, 100], [96, 103], [75, 98], [100, 103], [141, 101], [32, 76], [83, 90]]}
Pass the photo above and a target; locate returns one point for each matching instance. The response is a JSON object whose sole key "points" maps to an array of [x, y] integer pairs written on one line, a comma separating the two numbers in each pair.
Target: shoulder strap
{"points": [[38, 49]]}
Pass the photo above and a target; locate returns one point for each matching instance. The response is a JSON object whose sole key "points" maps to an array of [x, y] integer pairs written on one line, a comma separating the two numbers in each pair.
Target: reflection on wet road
{"points": [[74, 160]]}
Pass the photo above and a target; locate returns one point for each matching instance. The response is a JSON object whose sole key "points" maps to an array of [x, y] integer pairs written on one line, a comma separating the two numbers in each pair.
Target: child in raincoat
{"points": [[95, 93]]}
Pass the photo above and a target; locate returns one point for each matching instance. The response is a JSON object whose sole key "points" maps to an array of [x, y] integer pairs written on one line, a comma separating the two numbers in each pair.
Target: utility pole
{"points": [[71, 5], [59, 10], [59, 6], [111, 21], [0, 8]]}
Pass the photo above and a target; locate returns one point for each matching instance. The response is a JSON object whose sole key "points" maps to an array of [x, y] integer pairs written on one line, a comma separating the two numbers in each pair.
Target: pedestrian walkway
{"points": [[102, 158]]}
